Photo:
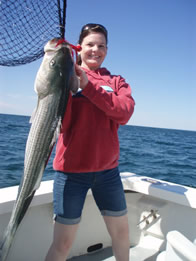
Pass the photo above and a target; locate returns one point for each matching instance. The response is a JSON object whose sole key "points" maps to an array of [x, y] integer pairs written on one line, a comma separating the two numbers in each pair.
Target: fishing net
{"points": [[26, 26]]}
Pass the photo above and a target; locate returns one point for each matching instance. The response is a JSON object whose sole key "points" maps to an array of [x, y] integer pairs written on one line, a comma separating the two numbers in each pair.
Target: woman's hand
{"points": [[81, 76]]}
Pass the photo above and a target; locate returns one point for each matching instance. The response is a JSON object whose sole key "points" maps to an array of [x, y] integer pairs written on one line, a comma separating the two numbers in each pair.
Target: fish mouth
{"points": [[53, 46]]}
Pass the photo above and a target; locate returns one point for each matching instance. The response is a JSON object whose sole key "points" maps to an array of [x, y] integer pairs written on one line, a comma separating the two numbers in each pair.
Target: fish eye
{"points": [[52, 62]]}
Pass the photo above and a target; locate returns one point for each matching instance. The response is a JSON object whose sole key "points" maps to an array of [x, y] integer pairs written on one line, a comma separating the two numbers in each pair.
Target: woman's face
{"points": [[94, 50]]}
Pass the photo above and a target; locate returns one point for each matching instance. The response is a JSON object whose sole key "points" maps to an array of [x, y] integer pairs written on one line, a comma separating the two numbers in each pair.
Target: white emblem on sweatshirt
{"points": [[107, 88]]}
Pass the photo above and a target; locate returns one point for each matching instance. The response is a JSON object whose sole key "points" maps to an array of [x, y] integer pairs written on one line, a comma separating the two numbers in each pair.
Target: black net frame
{"points": [[26, 26]]}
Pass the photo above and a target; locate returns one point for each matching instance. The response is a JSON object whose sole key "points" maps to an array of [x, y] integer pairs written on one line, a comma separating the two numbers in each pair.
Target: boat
{"points": [[162, 221]]}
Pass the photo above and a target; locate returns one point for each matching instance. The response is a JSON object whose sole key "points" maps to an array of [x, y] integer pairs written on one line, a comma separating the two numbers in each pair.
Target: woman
{"points": [[88, 149]]}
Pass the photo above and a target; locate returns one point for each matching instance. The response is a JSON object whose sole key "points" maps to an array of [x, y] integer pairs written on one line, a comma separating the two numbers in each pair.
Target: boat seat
{"points": [[178, 248]]}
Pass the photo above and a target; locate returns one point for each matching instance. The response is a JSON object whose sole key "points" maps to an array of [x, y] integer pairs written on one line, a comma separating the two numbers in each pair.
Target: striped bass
{"points": [[55, 79]]}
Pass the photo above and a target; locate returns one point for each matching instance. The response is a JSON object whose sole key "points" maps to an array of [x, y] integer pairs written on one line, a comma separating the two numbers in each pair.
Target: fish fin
{"points": [[34, 113], [57, 132], [38, 182], [32, 116], [26, 205]]}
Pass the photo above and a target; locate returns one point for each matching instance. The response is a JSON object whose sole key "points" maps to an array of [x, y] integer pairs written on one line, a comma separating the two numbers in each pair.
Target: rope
{"points": [[76, 48]]}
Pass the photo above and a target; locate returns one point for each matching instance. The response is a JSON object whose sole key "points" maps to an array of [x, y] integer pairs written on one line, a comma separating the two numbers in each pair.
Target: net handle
{"points": [[62, 20]]}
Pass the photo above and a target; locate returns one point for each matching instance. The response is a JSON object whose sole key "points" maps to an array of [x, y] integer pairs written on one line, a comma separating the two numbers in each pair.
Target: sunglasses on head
{"points": [[94, 27]]}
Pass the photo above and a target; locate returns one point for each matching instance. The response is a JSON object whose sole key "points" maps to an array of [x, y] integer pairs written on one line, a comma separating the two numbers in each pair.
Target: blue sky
{"points": [[152, 44]]}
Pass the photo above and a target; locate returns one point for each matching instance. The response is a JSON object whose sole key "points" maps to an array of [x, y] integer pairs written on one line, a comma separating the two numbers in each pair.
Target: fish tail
{"points": [[12, 227], [7, 241]]}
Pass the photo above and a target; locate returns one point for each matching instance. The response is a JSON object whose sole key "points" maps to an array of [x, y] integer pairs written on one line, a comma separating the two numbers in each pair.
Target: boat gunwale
{"points": [[173, 192]]}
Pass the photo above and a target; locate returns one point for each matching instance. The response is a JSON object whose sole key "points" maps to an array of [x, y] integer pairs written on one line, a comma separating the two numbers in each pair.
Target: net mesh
{"points": [[26, 26]]}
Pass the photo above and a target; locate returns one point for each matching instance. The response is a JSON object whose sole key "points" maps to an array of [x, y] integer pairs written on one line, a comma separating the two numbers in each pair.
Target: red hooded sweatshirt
{"points": [[88, 141]]}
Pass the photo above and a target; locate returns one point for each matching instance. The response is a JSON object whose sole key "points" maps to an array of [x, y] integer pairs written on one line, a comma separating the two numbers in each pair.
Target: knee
{"points": [[63, 246], [120, 233], [118, 227], [123, 233]]}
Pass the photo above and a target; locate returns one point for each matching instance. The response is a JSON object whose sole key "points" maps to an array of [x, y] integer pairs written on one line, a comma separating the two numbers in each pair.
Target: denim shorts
{"points": [[70, 190]]}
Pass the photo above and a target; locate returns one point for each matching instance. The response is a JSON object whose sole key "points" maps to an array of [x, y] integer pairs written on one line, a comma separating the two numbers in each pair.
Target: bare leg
{"points": [[63, 238], [118, 229]]}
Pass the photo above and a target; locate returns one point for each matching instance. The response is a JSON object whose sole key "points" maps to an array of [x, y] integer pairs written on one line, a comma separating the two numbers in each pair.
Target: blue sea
{"points": [[165, 154]]}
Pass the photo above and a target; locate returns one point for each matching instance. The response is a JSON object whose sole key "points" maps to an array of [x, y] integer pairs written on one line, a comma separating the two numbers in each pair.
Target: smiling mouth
{"points": [[94, 57]]}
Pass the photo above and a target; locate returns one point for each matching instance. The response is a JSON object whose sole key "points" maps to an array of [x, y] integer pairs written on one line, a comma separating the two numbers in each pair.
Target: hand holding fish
{"points": [[82, 76]]}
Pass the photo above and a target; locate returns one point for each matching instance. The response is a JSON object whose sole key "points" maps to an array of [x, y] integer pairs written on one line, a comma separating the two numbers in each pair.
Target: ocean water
{"points": [[165, 154]]}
